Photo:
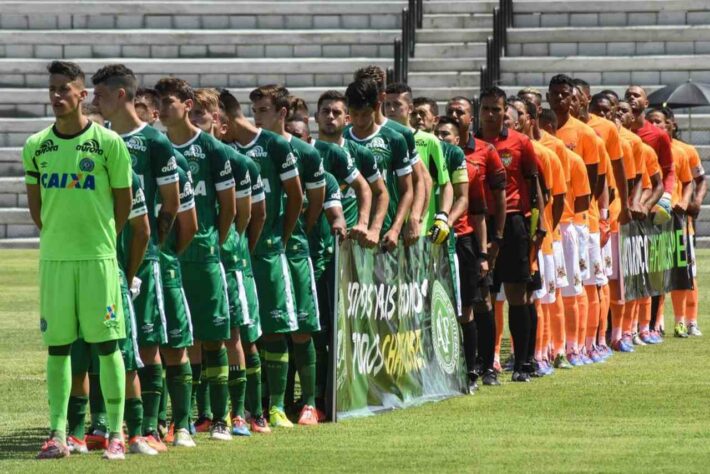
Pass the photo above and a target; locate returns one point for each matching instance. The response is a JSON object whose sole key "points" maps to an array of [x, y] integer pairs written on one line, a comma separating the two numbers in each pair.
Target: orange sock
{"points": [[546, 334], [571, 322], [660, 311], [540, 329], [592, 315], [617, 320], [644, 305], [604, 304], [583, 315], [630, 312], [691, 304], [499, 328], [557, 325], [679, 299]]}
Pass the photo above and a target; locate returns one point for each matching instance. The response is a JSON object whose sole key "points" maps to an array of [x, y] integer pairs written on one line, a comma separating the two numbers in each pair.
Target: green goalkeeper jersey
{"points": [[211, 172], [76, 175], [276, 163], [431, 155]]}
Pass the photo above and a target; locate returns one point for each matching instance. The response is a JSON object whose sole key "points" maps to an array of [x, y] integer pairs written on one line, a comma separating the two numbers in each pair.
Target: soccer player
{"points": [[154, 162], [439, 193], [297, 126], [270, 107], [240, 130], [523, 193], [78, 178], [390, 151], [147, 105], [207, 116], [203, 276], [421, 180]]}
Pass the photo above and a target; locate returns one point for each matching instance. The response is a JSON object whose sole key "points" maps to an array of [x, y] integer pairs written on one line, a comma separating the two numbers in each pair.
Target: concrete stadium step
{"points": [[458, 20], [73, 44], [609, 41], [10, 163], [444, 79], [440, 50], [616, 69], [20, 243], [449, 35], [16, 222]]}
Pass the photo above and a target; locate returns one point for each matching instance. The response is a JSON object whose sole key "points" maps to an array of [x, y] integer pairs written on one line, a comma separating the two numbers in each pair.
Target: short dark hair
{"points": [[433, 106], [151, 96], [66, 68], [598, 97], [277, 94], [331, 95], [231, 105], [493, 91], [446, 120], [665, 111], [362, 93], [460, 98], [581, 84], [531, 109], [175, 86], [562, 79], [297, 117], [373, 72], [398, 88], [117, 76], [296, 103], [548, 116], [609, 92]]}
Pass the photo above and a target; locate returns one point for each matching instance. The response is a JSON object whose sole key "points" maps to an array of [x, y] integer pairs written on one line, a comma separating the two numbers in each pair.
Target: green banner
{"points": [[398, 340], [654, 258]]}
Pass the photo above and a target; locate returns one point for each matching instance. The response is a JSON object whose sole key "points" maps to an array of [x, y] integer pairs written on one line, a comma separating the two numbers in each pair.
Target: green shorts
{"points": [[273, 284], [129, 345], [304, 286], [177, 312], [251, 330], [149, 306], [238, 306], [80, 299], [206, 290]]}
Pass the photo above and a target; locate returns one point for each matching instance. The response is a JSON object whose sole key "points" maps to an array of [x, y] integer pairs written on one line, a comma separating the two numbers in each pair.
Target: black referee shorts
{"points": [[513, 262], [473, 287]]}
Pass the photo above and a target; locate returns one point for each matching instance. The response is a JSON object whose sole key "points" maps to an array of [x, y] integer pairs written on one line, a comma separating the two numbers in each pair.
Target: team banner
{"points": [[654, 259], [398, 340]]}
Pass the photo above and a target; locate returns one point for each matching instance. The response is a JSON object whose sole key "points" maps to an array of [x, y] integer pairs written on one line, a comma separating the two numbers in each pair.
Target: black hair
{"points": [[362, 93], [446, 120], [562, 79], [231, 104], [151, 96], [117, 76], [66, 68], [493, 91], [433, 106], [332, 95], [548, 116]]}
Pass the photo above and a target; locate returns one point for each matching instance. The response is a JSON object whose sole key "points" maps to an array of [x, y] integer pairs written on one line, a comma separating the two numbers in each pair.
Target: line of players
{"points": [[230, 240]]}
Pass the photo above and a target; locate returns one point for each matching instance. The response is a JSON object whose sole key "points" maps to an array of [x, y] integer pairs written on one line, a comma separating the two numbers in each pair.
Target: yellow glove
{"points": [[439, 231]]}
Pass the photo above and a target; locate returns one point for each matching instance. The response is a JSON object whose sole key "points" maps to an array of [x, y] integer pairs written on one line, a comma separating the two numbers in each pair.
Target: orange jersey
{"points": [[602, 173], [578, 186], [683, 174], [696, 166], [555, 184], [608, 132], [558, 146], [652, 167], [636, 148], [581, 139]]}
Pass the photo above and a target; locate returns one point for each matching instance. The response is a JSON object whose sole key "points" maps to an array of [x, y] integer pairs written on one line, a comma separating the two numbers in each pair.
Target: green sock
{"points": [[305, 356], [58, 390], [96, 401], [321, 347], [163, 412], [253, 395], [113, 386], [237, 389], [217, 374], [179, 381], [204, 407], [290, 393], [134, 417], [151, 377], [76, 416], [276, 358], [196, 381]]}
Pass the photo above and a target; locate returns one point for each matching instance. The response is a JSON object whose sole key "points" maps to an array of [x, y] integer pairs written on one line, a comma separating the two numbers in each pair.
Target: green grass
{"points": [[646, 411]]}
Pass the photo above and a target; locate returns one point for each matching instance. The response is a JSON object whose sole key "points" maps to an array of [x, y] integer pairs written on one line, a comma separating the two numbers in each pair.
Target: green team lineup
{"points": [[206, 274]]}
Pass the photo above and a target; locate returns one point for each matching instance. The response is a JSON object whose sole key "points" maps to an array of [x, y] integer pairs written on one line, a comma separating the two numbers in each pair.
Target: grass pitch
{"points": [[640, 412]]}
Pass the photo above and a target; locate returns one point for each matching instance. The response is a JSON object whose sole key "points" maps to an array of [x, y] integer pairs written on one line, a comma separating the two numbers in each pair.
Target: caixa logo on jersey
{"points": [[256, 152], [68, 181], [90, 146], [46, 147], [136, 144]]}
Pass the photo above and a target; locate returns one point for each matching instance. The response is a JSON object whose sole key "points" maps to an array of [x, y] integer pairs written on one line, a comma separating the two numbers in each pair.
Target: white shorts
{"points": [[583, 246], [570, 246], [500, 296], [607, 259], [596, 264], [542, 292], [560, 271], [614, 243], [690, 246], [548, 280]]}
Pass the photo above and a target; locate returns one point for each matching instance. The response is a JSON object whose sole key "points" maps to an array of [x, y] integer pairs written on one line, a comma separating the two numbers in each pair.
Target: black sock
{"points": [[533, 333], [519, 325], [469, 344], [654, 311], [486, 325]]}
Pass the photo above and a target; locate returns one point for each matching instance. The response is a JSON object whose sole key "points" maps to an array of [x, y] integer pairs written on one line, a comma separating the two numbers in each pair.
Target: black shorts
{"points": [[474, 288], [513, 262]]}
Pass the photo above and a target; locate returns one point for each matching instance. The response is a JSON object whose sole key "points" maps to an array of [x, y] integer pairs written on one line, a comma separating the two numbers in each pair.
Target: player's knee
{"points": [[59, 350], [107, 348], [300, 338]]}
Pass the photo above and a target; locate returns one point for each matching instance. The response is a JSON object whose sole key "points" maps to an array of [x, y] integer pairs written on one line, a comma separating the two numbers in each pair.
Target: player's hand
{"points": [[439, 231], [484, 268], [135, 288], [371, 239], [693, 210], [680, 208], [389, 240], [604, 231], [412, 232], [625, 215], [537, 242], [493, 249], [358, 232], [662, 210], [338, 228]]}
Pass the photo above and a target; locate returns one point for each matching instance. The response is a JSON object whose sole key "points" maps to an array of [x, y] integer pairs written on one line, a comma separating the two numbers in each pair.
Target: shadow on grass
{"points": [[19, 444]]}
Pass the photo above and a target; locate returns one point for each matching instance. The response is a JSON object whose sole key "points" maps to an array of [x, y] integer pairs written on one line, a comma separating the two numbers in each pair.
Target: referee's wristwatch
{"points": [[497, 239], [541, 232]]}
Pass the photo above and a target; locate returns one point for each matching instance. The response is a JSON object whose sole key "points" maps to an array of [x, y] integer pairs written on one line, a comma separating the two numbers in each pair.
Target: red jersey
{"points": [[492, 170], [480, 153], [661, 144], [521, 163]]}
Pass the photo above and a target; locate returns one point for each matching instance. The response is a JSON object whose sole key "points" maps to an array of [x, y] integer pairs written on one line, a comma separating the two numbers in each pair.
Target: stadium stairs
{"points": [[309, 46]]}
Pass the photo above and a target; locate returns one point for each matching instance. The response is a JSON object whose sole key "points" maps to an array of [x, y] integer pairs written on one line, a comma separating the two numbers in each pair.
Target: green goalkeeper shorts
{"points": [[206, 290], [276, 302], [304, 287], [80, 299]]}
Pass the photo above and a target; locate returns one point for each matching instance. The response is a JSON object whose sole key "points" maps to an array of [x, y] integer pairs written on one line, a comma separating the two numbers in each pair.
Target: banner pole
{"points": [[333, 343]]}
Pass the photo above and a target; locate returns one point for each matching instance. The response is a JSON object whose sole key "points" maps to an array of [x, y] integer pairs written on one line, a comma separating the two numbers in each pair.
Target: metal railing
{"points": [[497, 44], [412, 18]]}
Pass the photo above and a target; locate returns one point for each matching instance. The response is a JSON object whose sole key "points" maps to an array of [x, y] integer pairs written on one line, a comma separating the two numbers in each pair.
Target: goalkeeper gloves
{"points": [[662, 210], [439, 231]]}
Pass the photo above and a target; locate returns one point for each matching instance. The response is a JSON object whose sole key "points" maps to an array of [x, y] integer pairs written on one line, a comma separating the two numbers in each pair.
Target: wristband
{"points": [[483, 255], [497, 239], [604, 213]]}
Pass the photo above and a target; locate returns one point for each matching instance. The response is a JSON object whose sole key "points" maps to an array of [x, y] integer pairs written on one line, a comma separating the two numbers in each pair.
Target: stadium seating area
{"points": [[311, 46]]}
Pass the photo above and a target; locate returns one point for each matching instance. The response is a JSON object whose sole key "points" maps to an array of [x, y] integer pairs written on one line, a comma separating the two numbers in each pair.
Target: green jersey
{"points": [[211, 172], [367, 166], [408, 136], [321, 238], [230, 248], [257, 195], [169, 258], [390, 151], [455, 162], [276, 163], [153, 160], [310, 169], [432, 157], [75, 175], [138, 209]]}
